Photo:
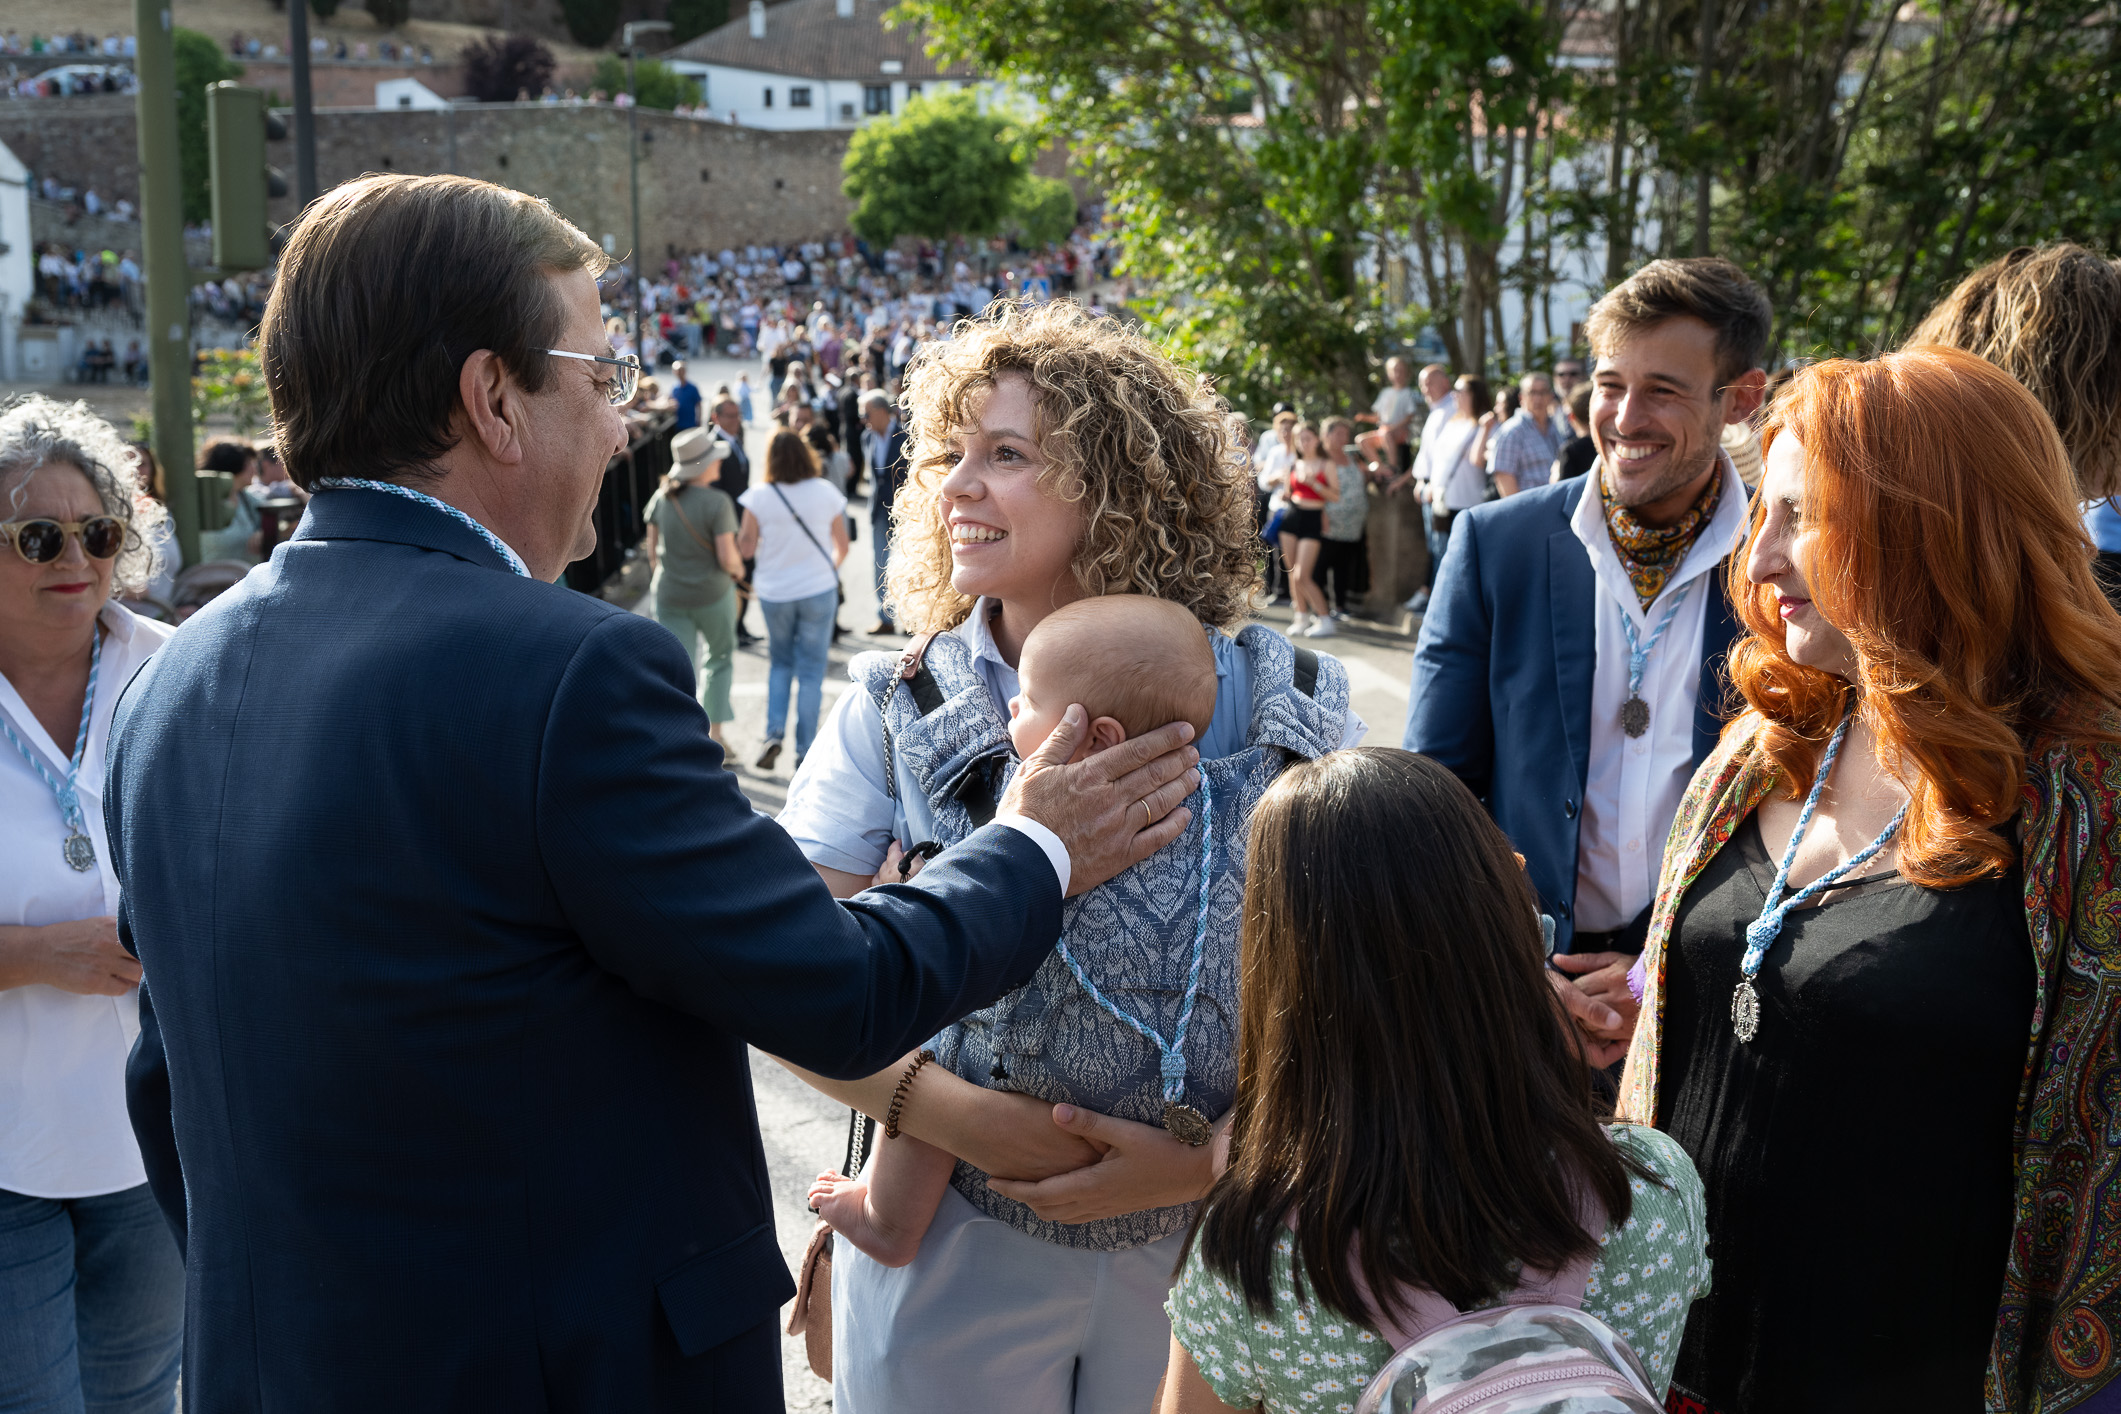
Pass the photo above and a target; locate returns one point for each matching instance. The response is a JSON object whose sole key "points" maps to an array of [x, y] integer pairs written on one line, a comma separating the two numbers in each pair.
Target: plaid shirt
{"points": [[1523, 449]]}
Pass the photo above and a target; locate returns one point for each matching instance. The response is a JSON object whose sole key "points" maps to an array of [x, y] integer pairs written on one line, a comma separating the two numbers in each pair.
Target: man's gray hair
{"points": [[876, 397], [36, 431], [1535, 380]]}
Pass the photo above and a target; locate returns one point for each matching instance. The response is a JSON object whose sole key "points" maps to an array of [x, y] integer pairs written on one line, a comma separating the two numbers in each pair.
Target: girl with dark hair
{"points": [[1413, 1132]]}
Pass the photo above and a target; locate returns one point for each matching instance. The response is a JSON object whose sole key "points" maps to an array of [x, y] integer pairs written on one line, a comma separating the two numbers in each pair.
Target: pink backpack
{"points": [[1537, 1351]]}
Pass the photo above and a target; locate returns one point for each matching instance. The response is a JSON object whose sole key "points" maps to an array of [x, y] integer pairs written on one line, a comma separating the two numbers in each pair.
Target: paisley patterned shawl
{"points": [[2059, 1319]]}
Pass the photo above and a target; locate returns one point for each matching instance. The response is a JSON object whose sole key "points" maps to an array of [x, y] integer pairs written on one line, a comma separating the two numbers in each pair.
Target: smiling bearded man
{"points": [[1570, 669]]}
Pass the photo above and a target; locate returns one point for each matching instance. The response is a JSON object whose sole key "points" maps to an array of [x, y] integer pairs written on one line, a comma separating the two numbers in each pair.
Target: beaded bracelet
{"points": [[898, 1093]]}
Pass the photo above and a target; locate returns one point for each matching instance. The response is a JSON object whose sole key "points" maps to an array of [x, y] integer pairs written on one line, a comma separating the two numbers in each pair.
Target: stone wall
{"points": [[703, 184], [348, 85], [88, 142]]}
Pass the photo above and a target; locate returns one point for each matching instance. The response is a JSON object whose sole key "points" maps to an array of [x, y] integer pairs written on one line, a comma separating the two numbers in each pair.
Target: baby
{"points": [[1134, 663]]}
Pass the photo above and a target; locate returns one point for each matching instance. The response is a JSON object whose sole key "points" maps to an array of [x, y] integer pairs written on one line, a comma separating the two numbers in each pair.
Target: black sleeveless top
{"points": [[1857, 1152]]}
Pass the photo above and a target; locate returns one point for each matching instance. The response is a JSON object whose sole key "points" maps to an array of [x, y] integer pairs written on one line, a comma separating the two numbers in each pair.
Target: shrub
{"points": [[499, 67]]}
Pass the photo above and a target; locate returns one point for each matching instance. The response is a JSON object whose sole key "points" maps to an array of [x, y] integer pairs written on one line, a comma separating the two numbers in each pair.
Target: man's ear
{"points": [[1105, 732], [491, 407], [1745, 396]]}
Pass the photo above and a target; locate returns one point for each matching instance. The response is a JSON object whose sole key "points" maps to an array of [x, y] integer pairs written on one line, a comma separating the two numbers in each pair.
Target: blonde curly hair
{"points": [[1155, 458]]}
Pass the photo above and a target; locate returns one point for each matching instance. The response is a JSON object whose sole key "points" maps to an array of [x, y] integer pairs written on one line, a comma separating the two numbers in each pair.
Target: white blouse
{"points": [[64, 1132]]}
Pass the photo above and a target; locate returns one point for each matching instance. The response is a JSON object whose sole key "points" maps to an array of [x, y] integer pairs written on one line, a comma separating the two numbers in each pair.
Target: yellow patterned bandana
{"points": [[1650, 553]]}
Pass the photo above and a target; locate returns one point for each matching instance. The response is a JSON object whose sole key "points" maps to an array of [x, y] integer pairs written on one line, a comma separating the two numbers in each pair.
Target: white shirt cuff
{"points": [[1045, 839]]}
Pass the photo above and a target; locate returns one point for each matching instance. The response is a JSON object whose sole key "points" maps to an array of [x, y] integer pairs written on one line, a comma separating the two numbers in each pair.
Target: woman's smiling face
{"points": [[1781, 557], [1012, 536]]}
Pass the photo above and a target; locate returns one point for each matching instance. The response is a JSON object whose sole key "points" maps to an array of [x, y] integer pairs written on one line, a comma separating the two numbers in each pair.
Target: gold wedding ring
{"points": [[1148, 815]]}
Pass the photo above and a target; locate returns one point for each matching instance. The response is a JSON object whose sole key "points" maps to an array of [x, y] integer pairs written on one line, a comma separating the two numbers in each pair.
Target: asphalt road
{"points": [[804, 1132]]}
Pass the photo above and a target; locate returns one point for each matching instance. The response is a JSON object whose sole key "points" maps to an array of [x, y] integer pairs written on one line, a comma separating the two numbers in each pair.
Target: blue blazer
{"points": [[454, 930], [1502, 677]]}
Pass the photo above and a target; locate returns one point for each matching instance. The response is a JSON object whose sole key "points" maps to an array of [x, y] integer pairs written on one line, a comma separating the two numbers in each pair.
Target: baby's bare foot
{"points": [[844, 1205]]}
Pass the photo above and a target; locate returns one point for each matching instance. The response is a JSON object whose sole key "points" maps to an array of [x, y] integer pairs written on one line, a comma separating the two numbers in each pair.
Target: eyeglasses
{"points": [[620, 389], [42, 541]]}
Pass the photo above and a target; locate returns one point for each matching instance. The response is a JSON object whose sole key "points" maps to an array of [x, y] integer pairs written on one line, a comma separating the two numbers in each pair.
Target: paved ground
{"points": [[804, 1132]]}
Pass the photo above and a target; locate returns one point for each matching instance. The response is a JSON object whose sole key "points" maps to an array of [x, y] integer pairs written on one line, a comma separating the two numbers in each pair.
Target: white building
{"points": [[812, 64], [407, 93], [18, 272]]}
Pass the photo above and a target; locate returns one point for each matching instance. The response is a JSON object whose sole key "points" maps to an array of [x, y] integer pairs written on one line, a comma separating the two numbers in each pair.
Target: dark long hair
{"points": [[1404, 1073]]}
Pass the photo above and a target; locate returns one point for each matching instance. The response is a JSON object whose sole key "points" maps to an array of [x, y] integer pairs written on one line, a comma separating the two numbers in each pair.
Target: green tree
{"points": [[591, 23], [940, 169], [691, 18], [199, 62], [389, 14], [655, 83], [1043, 211], [324, 9], [1257, 232]]}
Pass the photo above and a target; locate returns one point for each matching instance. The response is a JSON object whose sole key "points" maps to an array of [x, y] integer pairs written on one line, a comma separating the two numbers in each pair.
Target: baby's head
{"points": [[1134, 663]]}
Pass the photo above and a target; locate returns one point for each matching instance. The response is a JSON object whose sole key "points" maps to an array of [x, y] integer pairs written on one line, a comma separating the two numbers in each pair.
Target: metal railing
{"points": [[629, 481]]}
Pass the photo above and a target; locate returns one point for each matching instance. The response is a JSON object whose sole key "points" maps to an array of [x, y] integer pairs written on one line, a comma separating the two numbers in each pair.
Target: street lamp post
{"points": [[631, 39]]}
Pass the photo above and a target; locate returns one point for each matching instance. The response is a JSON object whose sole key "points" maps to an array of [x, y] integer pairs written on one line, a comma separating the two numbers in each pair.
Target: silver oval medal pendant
{"points": [[1634, 716], [1186, 1124], [1745, 1011], [79, 852]]}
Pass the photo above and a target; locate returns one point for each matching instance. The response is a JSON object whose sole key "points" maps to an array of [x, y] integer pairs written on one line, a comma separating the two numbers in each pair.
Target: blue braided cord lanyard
{"points": [[1638, 651], [1760, 935], [1174, 1050], [356, 483], [78, 850]]}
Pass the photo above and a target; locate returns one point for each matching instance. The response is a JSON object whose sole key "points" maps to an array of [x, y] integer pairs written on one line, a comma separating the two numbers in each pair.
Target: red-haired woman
{"points": [[1878, 998]]}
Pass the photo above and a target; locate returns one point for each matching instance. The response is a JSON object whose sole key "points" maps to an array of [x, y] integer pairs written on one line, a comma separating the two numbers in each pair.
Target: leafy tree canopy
{"points": [[591, 23], [691, 18], [200, 62], [501, 66], [655, 83], [1043, 211], [940, 169]]}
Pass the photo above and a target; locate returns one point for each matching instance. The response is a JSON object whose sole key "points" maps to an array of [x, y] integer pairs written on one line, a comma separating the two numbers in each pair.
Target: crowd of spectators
{"points": [[384, 51], [83, 281], [110, 46], [815, 301]]}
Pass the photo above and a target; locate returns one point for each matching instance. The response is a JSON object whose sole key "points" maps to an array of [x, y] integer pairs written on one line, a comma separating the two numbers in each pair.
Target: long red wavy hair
{"points": [[1950, 550]]}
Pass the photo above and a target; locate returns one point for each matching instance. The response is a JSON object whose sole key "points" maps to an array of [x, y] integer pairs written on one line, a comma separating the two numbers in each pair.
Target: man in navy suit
{"points": [[884, 447], [1570, 669], [454, 929]]}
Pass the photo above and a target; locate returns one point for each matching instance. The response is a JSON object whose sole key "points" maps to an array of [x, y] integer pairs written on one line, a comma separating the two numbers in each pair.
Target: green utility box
{"points": [[237, 127]]}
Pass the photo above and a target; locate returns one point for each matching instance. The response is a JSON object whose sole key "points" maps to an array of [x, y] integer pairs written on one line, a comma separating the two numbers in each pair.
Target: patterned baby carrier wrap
{"points": [[1133, 934]]}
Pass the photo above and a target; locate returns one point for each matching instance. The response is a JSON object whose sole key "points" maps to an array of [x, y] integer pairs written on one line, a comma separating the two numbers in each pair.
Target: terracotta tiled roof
{"points": [[808, 39]]}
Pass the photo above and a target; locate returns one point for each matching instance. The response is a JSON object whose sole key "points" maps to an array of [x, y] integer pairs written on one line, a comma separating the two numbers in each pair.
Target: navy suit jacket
{"points": [[454, 931], [1502, 677], [886, 480]]}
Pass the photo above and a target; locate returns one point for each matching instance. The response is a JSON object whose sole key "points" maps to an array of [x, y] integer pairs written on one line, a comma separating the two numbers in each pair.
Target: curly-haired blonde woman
{"points": [[1056, 456]]}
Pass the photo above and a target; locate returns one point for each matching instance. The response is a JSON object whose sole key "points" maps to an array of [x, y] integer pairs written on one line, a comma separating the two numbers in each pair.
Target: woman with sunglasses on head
{"points": [[1878, 995], [91, 1286]]}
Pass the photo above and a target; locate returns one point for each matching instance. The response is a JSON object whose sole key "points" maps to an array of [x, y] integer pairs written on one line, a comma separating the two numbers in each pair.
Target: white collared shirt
{"points": [[64, 1132], [1634, 785]]}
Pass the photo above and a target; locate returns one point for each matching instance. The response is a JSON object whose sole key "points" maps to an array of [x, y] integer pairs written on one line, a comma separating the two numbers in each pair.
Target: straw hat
{"points": [[693, 451]]}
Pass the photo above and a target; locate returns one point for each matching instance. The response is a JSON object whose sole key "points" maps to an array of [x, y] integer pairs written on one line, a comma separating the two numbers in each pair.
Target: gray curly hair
{"points": [[36, 431]]}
